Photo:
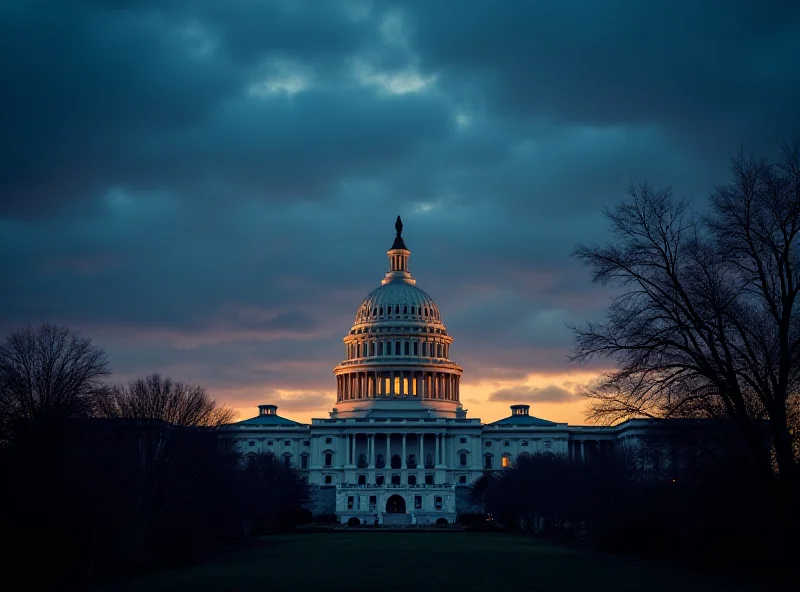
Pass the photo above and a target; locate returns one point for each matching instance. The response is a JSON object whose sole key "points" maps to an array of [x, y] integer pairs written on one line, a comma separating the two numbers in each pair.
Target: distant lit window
{"points": [[504, 462]]}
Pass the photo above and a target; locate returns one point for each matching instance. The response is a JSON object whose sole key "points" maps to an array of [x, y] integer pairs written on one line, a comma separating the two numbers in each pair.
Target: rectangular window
{"points": [[487, 462], [438, 502], [504, 462], [269, 442], [328, 459], [362, 479], [328, 479], [397, 348], [488, 444], [416, 348], [306, 443], [304, 461], [506, 443], [373, 503], [414, 387], [386, 386], [396, 385], [428, 479], [287, 443], [252, 443], [328, 440], [463, 440], [524, 442], [462, 479], [350, 501], [417, 502]]}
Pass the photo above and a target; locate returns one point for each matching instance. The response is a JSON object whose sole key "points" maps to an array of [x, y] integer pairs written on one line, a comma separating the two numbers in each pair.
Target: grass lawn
{"points": [[423, 561]]}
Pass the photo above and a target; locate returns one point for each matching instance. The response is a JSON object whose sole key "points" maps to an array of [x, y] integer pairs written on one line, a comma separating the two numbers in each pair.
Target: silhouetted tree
{"points": [[707, 323], [271, 495], [49, 373], [156, 397]]}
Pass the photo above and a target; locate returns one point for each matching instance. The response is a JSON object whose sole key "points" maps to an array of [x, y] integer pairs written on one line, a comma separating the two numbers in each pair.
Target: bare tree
{"points": [[49, 372], [157, 397], [707, 323]]}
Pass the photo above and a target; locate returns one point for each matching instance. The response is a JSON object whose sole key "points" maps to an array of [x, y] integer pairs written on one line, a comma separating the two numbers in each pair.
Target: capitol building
{"points": [[398, 447]]}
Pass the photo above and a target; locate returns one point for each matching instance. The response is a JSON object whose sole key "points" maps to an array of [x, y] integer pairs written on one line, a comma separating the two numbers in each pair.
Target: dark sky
{"points": [[209, 189]]}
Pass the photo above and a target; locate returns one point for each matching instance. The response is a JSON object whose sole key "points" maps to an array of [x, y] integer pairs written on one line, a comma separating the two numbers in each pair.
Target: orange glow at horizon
{"points": [[302, 406]]}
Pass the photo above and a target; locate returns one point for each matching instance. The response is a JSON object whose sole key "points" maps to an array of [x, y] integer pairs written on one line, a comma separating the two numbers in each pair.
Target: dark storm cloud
{"points": [[209, 187], [530, 394]]}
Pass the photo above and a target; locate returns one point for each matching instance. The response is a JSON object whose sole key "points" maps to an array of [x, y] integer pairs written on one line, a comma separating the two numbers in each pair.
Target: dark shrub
{"points": [[353, 521], [470, 518], [441, 522], [326, 519]]}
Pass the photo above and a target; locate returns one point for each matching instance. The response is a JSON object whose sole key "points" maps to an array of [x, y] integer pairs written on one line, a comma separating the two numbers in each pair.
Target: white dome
{"points": [[397, 301]]}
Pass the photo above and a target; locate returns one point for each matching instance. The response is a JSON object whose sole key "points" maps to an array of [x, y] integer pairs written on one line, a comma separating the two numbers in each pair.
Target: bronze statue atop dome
{"points": [[398, 240]]}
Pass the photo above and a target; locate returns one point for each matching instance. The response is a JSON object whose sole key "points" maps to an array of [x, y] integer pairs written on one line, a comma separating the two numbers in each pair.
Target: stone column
{"points": [[388, 459], [421, 438], [371, 450], [391, 383], [437, 457], [403, 460]]}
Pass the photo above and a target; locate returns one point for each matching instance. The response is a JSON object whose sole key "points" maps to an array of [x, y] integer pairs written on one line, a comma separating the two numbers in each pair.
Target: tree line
{"points": [[102, 479]]}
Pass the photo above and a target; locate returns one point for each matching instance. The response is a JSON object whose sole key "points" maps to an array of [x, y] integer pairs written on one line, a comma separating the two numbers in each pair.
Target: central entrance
{"points": [[396, 505]]}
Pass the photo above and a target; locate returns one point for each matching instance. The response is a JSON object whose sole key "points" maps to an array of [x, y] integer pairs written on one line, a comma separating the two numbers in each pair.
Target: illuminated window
{"points": [[386, 385], [414, 385], [504, 462], [397, 385]]}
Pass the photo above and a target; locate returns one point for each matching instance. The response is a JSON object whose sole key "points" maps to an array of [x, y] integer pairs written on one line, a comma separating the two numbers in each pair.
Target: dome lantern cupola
{"points": [[398, 259]]}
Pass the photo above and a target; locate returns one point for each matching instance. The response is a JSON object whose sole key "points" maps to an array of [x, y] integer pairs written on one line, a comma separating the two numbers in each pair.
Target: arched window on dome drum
{"points": [[381, 311], [426, 311], [375, 311], [439, 350], [397, 348], [405, 309], [405, 348], [371, 348], [416, 348], [397, 309], [424, 348], [412, 310]]}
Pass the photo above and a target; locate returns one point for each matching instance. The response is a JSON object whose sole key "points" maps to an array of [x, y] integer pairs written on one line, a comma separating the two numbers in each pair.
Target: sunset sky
{"points": [[209, 190]]}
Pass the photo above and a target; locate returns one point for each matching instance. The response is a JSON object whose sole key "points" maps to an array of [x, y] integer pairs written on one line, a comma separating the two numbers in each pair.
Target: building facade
{"points": [[398, 445]]}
